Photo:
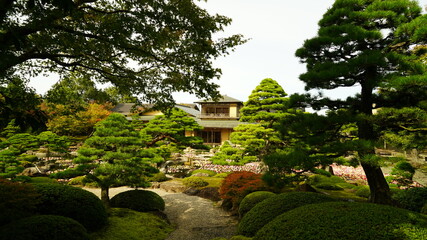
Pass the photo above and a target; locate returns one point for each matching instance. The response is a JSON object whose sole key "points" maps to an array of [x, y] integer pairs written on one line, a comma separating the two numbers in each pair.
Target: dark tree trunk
{"points": [[105, 198], [380, 191]]}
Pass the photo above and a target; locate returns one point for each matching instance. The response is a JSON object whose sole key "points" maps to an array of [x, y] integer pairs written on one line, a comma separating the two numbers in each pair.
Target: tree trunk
{"points": [[105, 198], [380, 191]]}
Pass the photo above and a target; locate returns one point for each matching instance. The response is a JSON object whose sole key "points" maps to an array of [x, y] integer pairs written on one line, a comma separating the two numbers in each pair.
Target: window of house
{"points": [[210, 136]]}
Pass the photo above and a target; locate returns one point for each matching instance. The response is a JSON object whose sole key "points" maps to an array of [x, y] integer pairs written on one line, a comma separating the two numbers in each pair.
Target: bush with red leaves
{"points": [[239, 184]]}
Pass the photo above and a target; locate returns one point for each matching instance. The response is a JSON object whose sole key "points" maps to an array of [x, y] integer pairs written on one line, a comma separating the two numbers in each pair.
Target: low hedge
{"points": [[346, 220], [253, 199], [138, 200], [194, 182], [50, 227], [76, 203], [274, 206], [412, 199], [208, 172]]}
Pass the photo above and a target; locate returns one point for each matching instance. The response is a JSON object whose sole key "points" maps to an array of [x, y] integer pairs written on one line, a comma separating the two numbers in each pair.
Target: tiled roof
{"points": [[223, 99], [124, 108], [191, 111]]}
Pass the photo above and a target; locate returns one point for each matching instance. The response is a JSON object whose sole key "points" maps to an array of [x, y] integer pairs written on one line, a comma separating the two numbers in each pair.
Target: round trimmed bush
{"points": [[272, 207], [346, 220], [50, 227], [138, 200], [412, 199], [194, 182], [76, 203], [252, 199]]}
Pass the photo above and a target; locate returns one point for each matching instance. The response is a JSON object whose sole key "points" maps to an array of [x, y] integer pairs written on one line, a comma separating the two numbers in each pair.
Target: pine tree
{"points": [[116, 156], [357, 45], [267, 104]]}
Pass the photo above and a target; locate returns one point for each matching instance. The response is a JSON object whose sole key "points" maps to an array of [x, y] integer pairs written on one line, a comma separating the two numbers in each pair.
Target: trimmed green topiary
{"points": [[274, 206], [209, 172], [50, 227], [325, 182], [345, 220], [158, 177], [412, 199], [252, 199], [194, 182], [76, 203], [138, 200]]}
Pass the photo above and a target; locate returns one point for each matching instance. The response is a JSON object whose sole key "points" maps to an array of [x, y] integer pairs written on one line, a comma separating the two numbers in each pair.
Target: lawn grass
{"points": [[132, 225]]}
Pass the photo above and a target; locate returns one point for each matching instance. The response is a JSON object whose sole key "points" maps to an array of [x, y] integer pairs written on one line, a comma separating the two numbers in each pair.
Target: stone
{"points": [[192, 191], [306, 188], [200, 174]]}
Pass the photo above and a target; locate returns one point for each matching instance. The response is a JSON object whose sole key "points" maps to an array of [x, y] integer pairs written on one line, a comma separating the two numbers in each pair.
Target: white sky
{"points": [[276, 29]]}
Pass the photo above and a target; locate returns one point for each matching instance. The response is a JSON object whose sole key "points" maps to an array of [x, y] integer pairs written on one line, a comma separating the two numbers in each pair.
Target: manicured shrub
{"points": [[239, 184], [325, 182], [50, 227], [17, 200], [267, 210], [194, 182], [403, 172], [72, 202], [129, 224], [138, 200], [42, 180], [79, 181], [345, 220], [412, 199], [363, 191], [253, 199], [158, 177], [208, 172]]}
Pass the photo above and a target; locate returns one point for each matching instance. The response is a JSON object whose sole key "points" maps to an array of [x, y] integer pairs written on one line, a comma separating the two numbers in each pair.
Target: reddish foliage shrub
{"points": [[17, 200], [239, 184]]}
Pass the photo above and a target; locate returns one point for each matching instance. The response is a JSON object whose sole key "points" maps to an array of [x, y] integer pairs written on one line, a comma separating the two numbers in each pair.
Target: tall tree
{"points": [[76, 91], [357, 45], [150, 47], [267, 104], [115, 156]]}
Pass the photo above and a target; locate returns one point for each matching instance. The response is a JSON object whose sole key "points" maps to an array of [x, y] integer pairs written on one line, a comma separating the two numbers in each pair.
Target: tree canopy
{"points": [[152, 48], [365, 43]]}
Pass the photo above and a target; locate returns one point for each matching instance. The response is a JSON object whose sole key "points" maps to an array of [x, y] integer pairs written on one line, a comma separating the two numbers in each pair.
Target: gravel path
{"points": [[194, 218]]}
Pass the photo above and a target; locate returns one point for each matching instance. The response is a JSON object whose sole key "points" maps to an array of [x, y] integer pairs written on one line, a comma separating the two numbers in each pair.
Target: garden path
{"points": [[194, 218]]}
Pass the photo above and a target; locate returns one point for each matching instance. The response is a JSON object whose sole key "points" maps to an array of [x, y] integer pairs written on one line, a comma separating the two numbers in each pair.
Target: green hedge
{"points": [[274, 206], [72, 202], [138, 200], [50, 227], [412, 199], [194, 182], [209, 172], [252, 199], [346, 220]]}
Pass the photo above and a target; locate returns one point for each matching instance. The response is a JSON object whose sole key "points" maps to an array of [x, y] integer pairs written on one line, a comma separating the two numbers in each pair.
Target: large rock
{"points": [[173, 186], [34, 172]]}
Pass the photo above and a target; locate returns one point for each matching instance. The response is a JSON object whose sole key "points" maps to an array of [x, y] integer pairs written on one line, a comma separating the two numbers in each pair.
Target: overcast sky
{"points": [[276, 29]]}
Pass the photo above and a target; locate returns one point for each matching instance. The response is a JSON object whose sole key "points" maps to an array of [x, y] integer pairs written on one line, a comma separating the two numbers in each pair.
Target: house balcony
{"points": [[217, 116]]}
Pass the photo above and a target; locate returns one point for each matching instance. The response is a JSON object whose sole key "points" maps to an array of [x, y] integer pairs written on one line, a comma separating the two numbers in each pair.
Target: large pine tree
{"points": [[357, 45]]}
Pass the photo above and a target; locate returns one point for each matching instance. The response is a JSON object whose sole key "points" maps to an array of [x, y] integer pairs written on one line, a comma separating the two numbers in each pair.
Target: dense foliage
{"points": [[346, 220], [72, 202], [413, 199], [149, 48], [44, 227], [138, 200], [17, 200], [267, 210], [195, 182]]}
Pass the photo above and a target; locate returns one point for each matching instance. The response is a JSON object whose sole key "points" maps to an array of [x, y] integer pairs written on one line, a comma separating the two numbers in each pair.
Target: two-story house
{"points": [[218, 118]]}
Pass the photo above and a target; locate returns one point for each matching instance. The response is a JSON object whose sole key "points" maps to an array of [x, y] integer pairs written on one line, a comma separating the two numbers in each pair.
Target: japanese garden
{"points": [[107, 152]]}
